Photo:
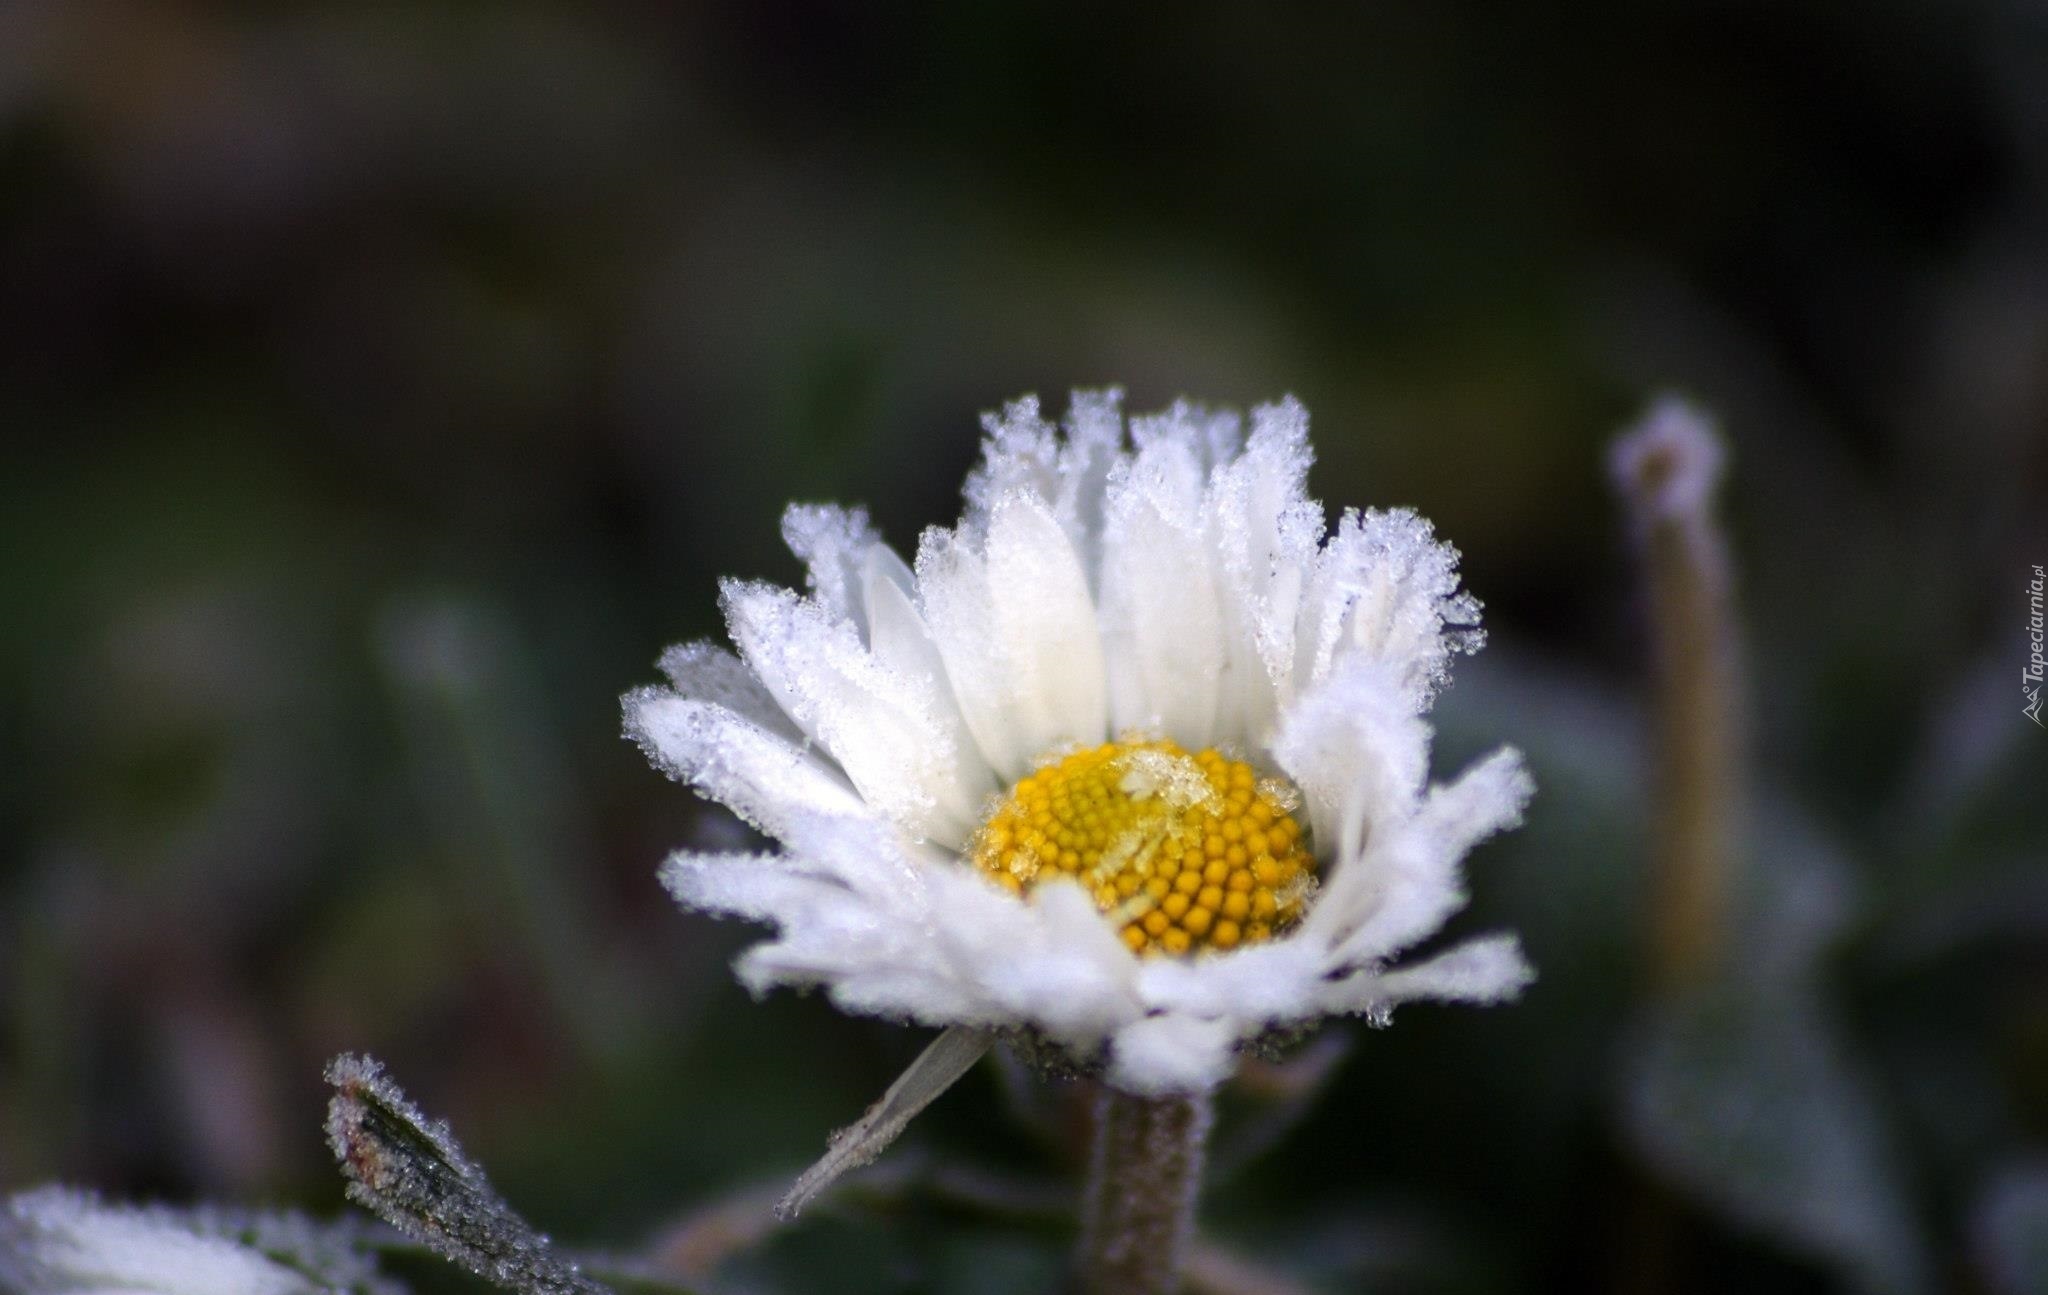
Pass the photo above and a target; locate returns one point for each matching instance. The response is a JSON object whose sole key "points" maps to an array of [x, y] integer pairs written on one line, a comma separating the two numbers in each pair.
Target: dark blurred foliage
{"points": [[385, 385]]}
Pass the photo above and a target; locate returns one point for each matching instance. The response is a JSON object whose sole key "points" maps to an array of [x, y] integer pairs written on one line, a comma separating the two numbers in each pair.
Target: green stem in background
{"points": [[1666, 471], [1138, 1209]]}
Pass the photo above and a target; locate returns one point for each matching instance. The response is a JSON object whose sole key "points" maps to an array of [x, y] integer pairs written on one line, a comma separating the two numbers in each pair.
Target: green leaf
{"points": [[409, 1171]]}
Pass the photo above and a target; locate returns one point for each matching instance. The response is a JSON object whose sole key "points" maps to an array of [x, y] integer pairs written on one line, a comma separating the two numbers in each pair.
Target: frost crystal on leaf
{"points": [[409, 1171]]}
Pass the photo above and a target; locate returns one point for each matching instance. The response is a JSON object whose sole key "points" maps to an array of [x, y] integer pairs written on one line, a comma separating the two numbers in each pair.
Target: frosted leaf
{"points": [[1752, 1104], [409, 1171], [1747, 1093], [55, 1241], [2010, 1232]]}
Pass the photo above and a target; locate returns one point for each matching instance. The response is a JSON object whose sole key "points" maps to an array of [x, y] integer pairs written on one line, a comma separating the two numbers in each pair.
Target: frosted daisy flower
{"points": [[1133, 761]]}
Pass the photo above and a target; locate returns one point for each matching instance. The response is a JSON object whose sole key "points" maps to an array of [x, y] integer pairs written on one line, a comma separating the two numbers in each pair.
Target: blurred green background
{"points": [[384, 386]]}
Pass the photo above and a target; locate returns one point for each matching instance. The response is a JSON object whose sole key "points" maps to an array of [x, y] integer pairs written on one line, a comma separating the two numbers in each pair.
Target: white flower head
{"points": [[56, 1241], [1133, 760]]}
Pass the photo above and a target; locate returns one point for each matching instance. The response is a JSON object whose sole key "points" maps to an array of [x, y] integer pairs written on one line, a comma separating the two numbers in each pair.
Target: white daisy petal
{"points": [[1170, 1053], [1259, 985], [833, 544], [1023, 455], [879, 725], [1488, 797], [1488, 970], [779, 890], [902, 644], [1075, 979], [1094, 445], [883, 566], [1017, 631], [1359, 755], [1046, 620], [704, 671], [1162, 622], [1415, 873], [1266, 530], [1384, 589], [959, 609], [761, 777], [1212, 436]]}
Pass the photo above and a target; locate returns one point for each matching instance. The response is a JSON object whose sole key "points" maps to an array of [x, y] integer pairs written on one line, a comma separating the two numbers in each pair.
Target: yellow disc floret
{"points": [[1182, 852]]}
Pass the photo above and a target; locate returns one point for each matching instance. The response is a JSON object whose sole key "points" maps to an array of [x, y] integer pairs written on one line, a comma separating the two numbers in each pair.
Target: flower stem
{"points": [[1667, 470], [1138, 1211]]}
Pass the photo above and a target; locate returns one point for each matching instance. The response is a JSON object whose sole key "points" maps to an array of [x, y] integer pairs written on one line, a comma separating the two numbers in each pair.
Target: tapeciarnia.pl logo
{"points": [[2030, 678]]}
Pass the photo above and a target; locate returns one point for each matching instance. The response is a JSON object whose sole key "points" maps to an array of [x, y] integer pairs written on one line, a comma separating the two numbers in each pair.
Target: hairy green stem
{"points": [[1138, 1211]]}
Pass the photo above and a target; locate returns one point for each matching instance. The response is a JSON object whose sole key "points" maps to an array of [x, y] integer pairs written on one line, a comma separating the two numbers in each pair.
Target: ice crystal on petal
{"points": [[1266, 531], [764, 778], [882, 727], [1163, 625], [704, 671], [1025, 455], [833, 544], [1384, 589]]}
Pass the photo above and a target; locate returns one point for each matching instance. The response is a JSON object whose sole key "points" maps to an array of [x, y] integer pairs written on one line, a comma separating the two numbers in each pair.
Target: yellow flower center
{"points": [[1181, 851]]}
